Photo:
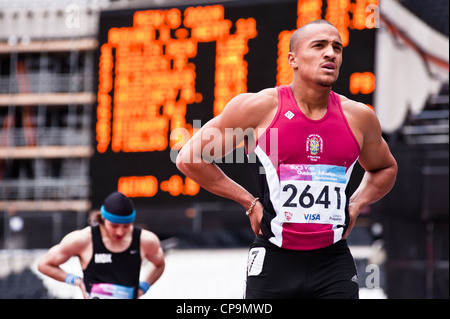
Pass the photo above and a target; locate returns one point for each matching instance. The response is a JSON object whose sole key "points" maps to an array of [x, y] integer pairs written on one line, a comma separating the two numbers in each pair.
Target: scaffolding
{"points": [[47, 96]]}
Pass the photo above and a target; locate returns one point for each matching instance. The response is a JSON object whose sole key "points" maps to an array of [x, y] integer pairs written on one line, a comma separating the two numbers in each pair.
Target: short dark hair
{"points": [[296, 34]]}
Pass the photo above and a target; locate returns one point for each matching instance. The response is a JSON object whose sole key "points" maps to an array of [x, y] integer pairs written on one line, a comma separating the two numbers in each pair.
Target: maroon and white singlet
{"points": [[303, 168]]}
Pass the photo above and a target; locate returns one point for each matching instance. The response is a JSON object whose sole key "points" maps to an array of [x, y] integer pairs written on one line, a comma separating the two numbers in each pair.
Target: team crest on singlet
{"points": [[314, 146], [288, 215]]}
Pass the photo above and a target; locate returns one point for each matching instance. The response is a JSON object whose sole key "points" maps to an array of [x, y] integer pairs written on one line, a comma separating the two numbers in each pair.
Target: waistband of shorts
{"points": [[261, 241]]}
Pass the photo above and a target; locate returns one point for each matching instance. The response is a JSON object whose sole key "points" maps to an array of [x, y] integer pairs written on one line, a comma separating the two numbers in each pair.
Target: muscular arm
{"points": [[73, 244], [152, 251], [241, 117], [379, 165]]}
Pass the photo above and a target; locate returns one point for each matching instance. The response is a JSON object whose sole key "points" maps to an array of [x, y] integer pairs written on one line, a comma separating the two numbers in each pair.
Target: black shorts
{"points": [[326, 273]]}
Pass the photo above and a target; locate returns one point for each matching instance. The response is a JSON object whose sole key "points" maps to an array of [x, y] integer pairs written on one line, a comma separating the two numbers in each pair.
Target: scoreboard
{"points": [[164, 72]]}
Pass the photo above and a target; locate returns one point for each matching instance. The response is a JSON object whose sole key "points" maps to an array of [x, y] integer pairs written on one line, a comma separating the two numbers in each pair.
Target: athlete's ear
{"points": [[292, 60]]}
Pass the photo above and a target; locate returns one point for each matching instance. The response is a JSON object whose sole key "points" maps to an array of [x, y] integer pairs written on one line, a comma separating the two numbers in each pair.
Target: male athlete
{"points": [[110, 254], [306, 140]]}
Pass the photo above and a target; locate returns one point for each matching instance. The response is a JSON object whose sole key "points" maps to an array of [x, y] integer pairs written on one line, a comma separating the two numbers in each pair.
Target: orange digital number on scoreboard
{"points": [[147, 186], [154, 82]]}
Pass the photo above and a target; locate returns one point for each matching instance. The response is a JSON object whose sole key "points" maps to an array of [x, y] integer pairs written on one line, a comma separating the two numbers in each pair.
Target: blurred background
{"points": [[99, 95]]}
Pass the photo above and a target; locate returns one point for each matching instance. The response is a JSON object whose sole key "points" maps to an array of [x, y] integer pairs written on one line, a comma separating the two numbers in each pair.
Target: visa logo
{"points": [[311, 216]]}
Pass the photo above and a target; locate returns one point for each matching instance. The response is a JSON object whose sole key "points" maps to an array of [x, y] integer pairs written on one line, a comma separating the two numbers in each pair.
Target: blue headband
{"points": [[117, 219]]}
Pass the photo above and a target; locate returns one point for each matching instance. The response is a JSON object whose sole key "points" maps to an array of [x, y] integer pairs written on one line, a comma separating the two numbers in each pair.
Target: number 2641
{"points": [[307, 198]]}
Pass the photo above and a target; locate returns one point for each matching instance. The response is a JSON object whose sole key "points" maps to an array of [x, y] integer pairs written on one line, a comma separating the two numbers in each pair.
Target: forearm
{"points": [[211, 177], [50, 263], [52, 271], [153, 273], [374, 186]]}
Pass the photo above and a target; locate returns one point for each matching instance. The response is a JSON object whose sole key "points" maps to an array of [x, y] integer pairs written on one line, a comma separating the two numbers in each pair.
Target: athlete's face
{"points": [[117, 231], [317, 55]]}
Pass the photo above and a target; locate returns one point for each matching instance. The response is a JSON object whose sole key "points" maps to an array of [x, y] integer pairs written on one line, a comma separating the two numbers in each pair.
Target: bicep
{"points": [[69, 246], [376, 156], [220, 136], [375, 153], [157, 258], [151, 249], [56, 256]]}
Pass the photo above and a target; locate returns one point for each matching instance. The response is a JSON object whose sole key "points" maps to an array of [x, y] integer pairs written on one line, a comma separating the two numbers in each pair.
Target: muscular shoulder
{"points": [[149, 240], [77, 241], [266, 97], [354, 108], [361, 118], [151, 247], [251, 108]]}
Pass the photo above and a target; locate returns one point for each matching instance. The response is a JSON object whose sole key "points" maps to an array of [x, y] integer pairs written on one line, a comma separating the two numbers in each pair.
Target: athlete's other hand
{"points": [[140, 293], [80, 283], [353, 212], [255, 218]]}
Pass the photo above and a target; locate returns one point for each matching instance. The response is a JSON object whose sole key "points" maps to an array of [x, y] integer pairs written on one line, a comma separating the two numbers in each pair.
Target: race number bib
{"points": [[110, 291], [313, 193]]}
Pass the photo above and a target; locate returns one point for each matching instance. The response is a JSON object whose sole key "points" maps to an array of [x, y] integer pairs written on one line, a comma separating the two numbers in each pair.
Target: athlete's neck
{"points": [[313, 102], [116, 242]]}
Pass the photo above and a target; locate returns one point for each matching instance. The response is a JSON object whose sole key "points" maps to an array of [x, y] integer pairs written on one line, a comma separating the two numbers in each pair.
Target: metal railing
{"points": [[45, 82], [45, 188], [44, 137]]}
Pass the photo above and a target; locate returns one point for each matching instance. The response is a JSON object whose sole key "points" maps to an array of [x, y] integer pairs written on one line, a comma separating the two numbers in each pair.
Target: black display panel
{"points": [[165, 69]]}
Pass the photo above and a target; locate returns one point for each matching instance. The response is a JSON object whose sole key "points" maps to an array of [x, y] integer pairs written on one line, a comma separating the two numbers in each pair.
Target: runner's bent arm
{"points": [[379, 165], [152, 251], [195, 160], [71, 245]]}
